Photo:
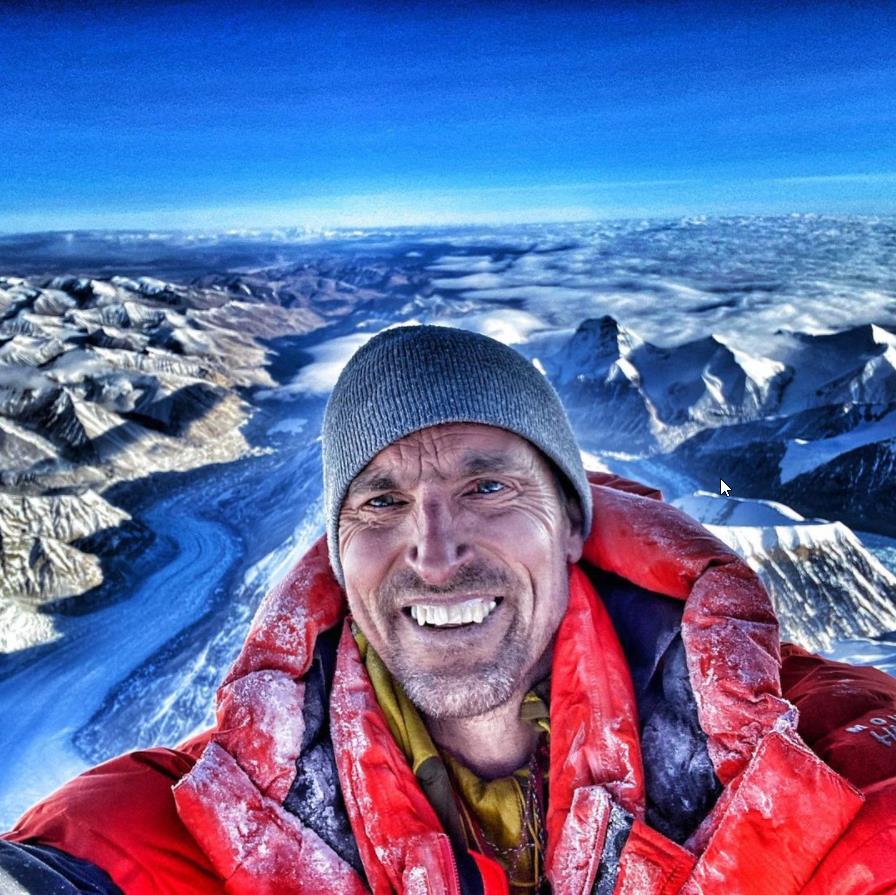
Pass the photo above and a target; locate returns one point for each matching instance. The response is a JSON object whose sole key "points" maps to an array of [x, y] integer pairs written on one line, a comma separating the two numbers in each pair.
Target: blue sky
{"points": [[190, 115]]}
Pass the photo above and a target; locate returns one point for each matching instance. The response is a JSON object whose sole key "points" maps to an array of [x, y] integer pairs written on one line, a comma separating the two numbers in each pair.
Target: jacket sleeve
{"points": [[863, 862], [118, 819], [847, 714], [848, 717], [41, 870]]}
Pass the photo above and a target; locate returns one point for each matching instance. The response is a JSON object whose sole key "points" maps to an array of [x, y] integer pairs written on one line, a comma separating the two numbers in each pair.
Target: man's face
{"points": [[460, 527]]}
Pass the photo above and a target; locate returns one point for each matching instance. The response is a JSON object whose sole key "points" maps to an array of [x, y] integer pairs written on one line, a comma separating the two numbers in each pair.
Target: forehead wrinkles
{"points": [[444, 454], [422, 454]]}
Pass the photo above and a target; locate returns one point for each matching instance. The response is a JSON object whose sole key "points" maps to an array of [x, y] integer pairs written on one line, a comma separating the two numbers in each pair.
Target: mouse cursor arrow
{"points": [[723, 488]]}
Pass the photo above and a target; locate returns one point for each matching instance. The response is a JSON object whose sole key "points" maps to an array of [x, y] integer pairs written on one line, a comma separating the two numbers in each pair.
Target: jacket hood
{"points": [[232, 802]]}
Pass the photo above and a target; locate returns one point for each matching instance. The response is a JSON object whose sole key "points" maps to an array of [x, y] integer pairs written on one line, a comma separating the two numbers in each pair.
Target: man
{"points": [[494, 676]]}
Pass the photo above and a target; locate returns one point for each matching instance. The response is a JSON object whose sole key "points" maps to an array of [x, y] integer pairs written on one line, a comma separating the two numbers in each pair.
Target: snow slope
{"points": [[825, 585]]}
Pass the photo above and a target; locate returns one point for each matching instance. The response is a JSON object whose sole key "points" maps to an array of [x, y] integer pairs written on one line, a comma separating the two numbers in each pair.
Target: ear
{"points": [[575, 539]]}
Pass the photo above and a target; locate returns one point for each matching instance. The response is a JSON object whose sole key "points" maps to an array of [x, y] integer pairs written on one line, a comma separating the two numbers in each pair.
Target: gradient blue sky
{"points": [[190, 115]]}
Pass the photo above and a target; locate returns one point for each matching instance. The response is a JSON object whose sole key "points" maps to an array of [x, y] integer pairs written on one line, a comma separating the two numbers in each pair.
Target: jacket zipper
{"points": [[454, 883]]}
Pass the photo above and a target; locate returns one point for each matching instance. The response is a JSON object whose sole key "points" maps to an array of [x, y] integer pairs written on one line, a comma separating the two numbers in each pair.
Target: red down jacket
{"points": [[250, 807]]}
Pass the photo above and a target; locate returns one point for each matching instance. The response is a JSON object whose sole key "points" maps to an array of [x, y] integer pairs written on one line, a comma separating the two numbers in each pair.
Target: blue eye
{"points": [[488, 486], [381, 502]]}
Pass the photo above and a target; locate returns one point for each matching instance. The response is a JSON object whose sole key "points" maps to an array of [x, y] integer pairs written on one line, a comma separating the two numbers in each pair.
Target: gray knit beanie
{"points": [[412, 377]]}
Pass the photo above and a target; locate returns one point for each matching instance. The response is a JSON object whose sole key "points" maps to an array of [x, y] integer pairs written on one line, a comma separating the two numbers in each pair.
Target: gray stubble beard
{"points": [[443, 695]]}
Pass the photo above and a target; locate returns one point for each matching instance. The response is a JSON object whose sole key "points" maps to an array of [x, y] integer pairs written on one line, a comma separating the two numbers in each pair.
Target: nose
{"points": [[436, 546]]}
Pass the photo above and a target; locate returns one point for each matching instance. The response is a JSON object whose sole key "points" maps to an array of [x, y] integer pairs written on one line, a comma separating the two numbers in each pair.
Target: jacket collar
{"points": [[729, 627], [232, 801]]}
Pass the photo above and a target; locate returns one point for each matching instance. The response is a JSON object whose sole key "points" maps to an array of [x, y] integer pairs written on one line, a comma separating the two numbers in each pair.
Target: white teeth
{"points": [[468, 612]]}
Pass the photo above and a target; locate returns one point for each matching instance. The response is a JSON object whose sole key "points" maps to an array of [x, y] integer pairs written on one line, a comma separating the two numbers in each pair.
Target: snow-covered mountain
{"points": [[854, 365], [837, 461], [637, 396], [104, 381], [39, 561], [825, 585], [813, 421]]}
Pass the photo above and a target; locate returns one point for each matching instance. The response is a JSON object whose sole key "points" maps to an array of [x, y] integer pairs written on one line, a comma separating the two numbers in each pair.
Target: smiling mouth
{"points": [[455, 615]]}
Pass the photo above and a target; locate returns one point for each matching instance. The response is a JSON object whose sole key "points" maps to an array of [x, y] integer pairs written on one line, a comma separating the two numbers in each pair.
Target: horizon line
{"points": [[342, 229], [493, 205]]}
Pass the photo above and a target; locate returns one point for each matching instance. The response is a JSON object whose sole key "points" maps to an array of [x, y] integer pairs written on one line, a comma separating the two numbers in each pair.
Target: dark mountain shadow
{"points": [[172, 414]]}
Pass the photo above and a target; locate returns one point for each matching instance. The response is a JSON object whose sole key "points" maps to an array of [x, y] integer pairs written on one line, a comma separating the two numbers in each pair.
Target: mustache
{"points": [[476, 577]]}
